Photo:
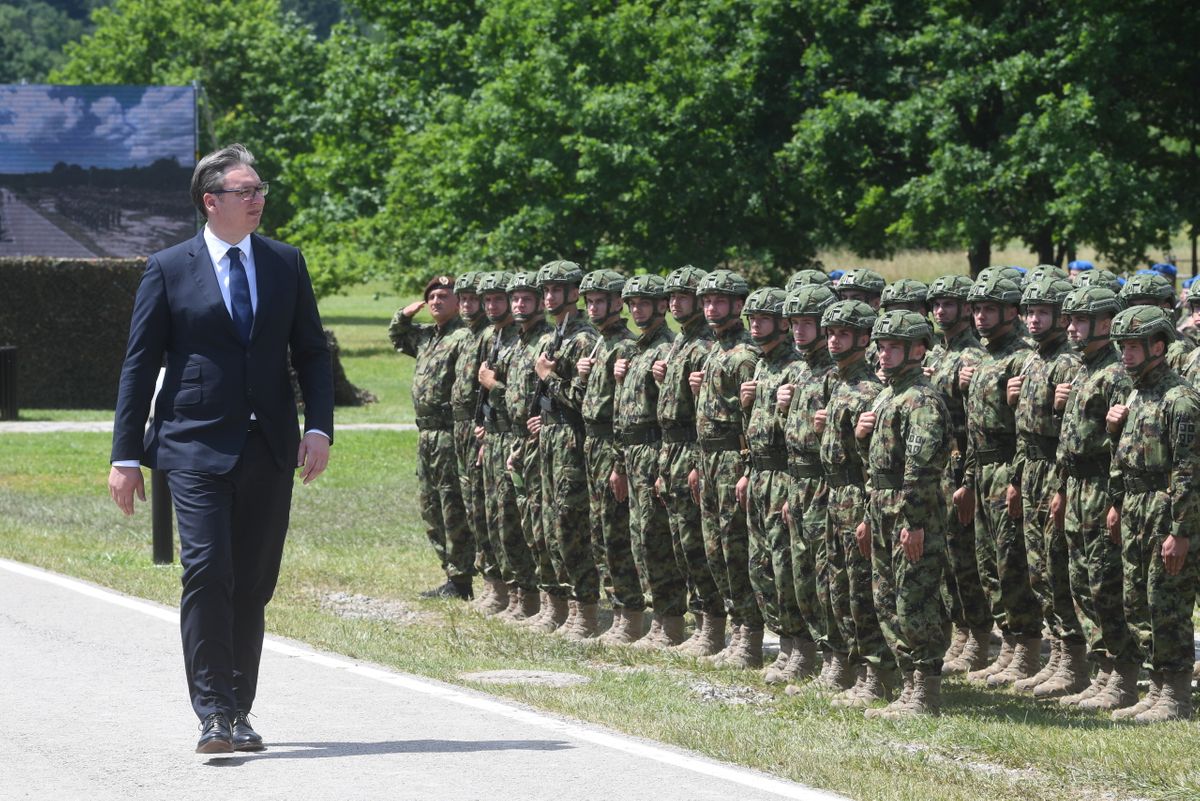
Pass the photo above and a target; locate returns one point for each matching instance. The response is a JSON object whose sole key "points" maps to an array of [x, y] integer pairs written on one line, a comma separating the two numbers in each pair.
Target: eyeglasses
{"points": [[246, 194]]}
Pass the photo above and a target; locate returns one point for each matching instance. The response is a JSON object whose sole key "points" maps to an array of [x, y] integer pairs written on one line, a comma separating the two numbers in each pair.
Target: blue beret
{"points": [[1164, 269], [1187, 282], [1081, 265], [836, 274], [1146, 272], [1120, 280], [1021, 270]]}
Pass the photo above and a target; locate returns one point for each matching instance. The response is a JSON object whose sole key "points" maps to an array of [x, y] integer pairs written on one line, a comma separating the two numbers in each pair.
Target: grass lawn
{"points": [[356, 532]]}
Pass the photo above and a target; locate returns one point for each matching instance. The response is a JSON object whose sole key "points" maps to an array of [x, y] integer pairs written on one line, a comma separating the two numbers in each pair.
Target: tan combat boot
{"points": [[555, 617], [632, 627], [510, 609], [735, 642], [614, 629], [1099, 682], [859, 672], [543, 610], [486, 595], [803, 663], [926, 698], [1008, 647], [749, 653], [774, 672], [876, 686], [1147, 703], [1174, 700], [1048, 671], [902, 700], [685, 648], [712, 637], [1120, 692], [1027, 658], [528, 605], [587, 621], [837, 674], [653, 638], [1071, 676], [957, 642], [672, 631], [974, 654], [569, 623]]}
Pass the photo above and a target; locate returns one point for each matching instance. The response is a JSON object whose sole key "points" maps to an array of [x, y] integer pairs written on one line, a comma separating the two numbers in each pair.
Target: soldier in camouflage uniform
{"points": [[847, 325], [959, 352], [1084, 456], [1152, 289], [720, 429], [638, 465], [905, 294], [464, 400], [1034, 481], [680, 458], [804, 278], [437, 349], [766, 486], [525, 468], [906, 436], [1153, 487], [807, 392], [862, 285], [560, 448], [609, 509], [518, 598], [1099, 278], [991, 448]]}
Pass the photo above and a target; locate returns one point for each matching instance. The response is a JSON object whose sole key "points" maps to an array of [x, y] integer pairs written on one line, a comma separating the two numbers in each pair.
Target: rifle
{"points": [[483, 409], [543, 401]]}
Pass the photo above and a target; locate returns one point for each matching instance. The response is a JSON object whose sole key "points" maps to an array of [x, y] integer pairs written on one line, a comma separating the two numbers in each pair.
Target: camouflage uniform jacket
{"points": [[520, 387], [1159, 439], [1083, 436], [1179, 353], [637, 395], [948, 358], [507, 350], [764, 429], [813, 377], [719, 410], [578, 339], [676, 403], [437, 351], [907, 451], [600, 388], [1037, 423], [855, 389], [465, 393], [1191, 368], [991, 422]]}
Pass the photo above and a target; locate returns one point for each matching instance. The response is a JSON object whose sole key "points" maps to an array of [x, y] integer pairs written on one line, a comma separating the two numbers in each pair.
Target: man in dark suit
{"points": [[220, 312]]}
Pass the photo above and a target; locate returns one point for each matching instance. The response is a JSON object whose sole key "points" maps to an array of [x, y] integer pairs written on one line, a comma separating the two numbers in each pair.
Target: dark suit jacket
{"points": [[213, 382]]}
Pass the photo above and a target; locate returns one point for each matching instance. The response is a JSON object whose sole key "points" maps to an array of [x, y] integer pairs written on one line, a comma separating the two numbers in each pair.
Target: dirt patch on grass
{"points": [[364, 607]]}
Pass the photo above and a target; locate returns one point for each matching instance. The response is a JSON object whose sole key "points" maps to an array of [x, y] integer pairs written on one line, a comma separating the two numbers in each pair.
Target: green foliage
{"points": [[32, 36]]}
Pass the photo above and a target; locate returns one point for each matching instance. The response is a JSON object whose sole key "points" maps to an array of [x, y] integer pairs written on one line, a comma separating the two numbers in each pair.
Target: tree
{"points": [[32, 35]]}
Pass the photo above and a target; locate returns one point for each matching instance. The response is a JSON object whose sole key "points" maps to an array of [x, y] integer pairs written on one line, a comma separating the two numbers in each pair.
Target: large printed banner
{"points": [[91, 171]]}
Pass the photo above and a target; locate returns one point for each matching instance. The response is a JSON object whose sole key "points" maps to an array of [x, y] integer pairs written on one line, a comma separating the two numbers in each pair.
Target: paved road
{"points": [[28, 233], [93, 700]]}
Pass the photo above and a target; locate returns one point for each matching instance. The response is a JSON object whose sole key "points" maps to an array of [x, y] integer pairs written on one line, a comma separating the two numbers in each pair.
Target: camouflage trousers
{"points": [[808, 506], [1046, 552], [651, 533], [565, 510], [441, 503], [687, 536], [527, 478], [504, 528], [1158, 606], [851, 596], [726, 538], [907, 594], [1097, 581], [470, 481], [1000, 551], [612, 549], [771, 553], [964, 595]]}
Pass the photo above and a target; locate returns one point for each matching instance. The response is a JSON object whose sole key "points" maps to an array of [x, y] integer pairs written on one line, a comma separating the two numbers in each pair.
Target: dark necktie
{"points": [[239, 296]]}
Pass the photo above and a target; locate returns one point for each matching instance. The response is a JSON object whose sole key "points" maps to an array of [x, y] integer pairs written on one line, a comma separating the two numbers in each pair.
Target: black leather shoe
{"points": [[453, 588], [215, 736], [245, 738]]}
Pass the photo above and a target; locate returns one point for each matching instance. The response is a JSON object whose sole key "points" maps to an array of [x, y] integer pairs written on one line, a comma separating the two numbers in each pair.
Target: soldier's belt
{"points": [[844, 476], [1146, 482], [805, 469], [641, 435], [439, 422], [725, 442], [497, 423], [769, 461], [464, 413], [679, 434], [1002, 453], [553, 414], [1087, 467], [598, 430], [887, 480], [1039, 447]]}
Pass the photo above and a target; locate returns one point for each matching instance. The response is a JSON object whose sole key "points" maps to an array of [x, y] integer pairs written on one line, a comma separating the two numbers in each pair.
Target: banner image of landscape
{"points": [[95, 171]]}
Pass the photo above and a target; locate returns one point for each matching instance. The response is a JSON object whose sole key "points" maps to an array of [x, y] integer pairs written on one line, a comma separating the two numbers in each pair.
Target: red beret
{"points": [[439, 282]]}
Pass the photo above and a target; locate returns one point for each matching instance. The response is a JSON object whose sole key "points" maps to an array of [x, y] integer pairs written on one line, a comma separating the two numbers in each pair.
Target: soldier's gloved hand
{"points": [[694, 485], [1174, 554], [786, 511], [741, 492], [544, 366], [1013, 389], [659, 370], [783, 396], [1114, 525], [866, 425], [620, 368], [964, 503], [619, 484], [1012, 502], [1061, 393], [1115, 419], [862, 535], [1058, 510], [695, 380], [820, 419], [584, 367], [964, 377], [912, 540], [746, 392]]}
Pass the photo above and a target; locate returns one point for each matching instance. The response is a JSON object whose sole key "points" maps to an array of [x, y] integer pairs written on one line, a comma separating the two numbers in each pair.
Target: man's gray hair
{"points": [[209, 175]]}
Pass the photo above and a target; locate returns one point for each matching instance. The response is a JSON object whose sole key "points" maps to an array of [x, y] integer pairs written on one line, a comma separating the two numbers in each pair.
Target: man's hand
{"points": [[695, 380], [619, 484], [912, 540], [479, 432], [620, 368], [479, 457], [1061, 393], [819, 420], [783, 396], [487, 376], [1115, 419], [1012, 502], [123, 484], [741, 491], [544, 366], [964, 377], [584, 367], [866, 425], [694, 485], [1014, 389], [1114, 525], [928, 371], [786, 511], [659, 370], [746, 393], [1174, 553], [313, 456], [964, 503], [411, 309], [660, 487], [862, 535], [534, 425], [1058, 510]]}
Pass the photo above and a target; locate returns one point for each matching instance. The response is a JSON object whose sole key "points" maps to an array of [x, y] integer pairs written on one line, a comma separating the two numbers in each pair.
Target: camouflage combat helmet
{"points": [[526, 281], [849, 314], [1102, 278], [560, 272], [1043, 270], [1091, 301], [684, 279], [904, 290], [605, 280], [804, 278], [1048, 291], [810, 300], [723, 282], [1147, 287], [496, 281], [1143, 323], [907, 327], [645, 286], [994, 288], [862, 280], [949, 286], [767, 300], [466, 282]]}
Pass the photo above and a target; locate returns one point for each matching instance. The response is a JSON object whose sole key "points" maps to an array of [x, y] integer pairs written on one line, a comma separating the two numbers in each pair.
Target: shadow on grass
{"points": [[1000, 706], [330, 320], [329, 750], [364, 352]]}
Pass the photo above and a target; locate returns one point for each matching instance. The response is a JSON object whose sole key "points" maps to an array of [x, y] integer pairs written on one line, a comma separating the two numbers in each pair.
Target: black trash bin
{"points": [[8, 382]]}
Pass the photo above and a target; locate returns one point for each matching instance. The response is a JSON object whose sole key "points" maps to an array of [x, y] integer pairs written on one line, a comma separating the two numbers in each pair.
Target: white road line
{"points": [[743, 776]]}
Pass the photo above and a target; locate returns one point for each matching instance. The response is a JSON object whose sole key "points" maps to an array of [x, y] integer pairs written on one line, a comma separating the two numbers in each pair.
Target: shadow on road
{"points": [[336, 749]]}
